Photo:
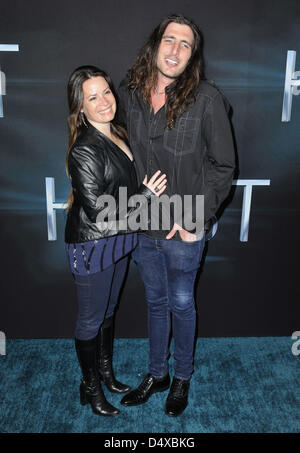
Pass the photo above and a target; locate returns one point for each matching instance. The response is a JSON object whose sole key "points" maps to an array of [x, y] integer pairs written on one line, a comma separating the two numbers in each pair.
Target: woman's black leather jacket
{"points": [[97, 166]]}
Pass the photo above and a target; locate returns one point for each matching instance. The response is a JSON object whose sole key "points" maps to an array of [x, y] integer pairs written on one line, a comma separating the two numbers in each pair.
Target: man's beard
{"points": [[167, 75]]}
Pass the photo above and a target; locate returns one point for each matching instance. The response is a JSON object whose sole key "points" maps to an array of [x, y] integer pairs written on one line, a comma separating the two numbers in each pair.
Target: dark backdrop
{"points": [[245, 288]]}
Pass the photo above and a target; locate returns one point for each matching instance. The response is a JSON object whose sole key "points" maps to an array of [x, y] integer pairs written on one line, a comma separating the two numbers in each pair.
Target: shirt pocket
{"points": [[182, 138]]}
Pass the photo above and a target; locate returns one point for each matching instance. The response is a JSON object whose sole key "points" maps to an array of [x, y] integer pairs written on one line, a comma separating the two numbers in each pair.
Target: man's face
{"points": [[175, 50]]}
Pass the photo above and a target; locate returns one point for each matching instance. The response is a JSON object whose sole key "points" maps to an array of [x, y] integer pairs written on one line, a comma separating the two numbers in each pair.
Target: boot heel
{"points": [[83, 400]]}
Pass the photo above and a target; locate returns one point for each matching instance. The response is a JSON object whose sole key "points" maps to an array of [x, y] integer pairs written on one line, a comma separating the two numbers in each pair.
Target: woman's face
{"points": [[99, 103]]}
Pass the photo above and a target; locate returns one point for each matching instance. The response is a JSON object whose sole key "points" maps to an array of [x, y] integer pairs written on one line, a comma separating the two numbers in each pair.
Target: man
{"points": [[177, 123]]}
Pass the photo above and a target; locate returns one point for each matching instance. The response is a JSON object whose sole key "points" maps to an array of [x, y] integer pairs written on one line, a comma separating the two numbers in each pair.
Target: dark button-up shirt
{"points": [[197, 155]]}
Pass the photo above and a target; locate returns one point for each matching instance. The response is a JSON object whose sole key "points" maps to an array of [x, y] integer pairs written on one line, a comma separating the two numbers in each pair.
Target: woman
{"points": [[98, 162]]}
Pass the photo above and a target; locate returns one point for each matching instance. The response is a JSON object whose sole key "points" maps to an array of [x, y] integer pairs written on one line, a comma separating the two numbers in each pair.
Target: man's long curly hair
{"points": [[181, 92]]}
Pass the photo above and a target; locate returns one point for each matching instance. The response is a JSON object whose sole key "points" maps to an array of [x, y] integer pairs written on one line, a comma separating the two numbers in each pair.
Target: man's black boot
{"points": [[143, 392], [105, 340], [90, 388], [177, 399]]}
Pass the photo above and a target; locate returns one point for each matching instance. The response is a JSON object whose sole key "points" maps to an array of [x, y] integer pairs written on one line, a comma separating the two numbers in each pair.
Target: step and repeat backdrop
{"points": [[248, 284]]}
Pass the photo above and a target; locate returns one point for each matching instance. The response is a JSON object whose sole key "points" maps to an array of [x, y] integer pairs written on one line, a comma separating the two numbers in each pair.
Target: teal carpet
{"points": [[240, 385]]}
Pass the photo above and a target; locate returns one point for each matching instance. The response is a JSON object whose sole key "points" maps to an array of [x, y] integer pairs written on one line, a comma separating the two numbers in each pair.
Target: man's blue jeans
{"points": [[168, 269]]}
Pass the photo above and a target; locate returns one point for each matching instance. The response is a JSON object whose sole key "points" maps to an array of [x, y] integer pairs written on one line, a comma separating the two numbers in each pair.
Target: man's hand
{"points": [[185, 235]]}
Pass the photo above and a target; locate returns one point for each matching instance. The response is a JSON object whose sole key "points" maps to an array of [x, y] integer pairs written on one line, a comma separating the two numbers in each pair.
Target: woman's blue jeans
{"points": [[97, 296], [168, 269]]}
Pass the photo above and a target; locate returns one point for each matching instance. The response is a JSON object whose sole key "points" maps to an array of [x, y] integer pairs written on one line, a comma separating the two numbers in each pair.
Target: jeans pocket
{"points": [[198, 239], [190, 242]]}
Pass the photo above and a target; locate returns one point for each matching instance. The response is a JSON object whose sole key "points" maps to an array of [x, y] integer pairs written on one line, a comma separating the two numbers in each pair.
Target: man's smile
{"points": [[171, 62]]}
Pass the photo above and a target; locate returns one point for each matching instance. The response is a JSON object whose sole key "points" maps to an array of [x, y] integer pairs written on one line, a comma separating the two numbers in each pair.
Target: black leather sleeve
{"points": [[86, 168]]}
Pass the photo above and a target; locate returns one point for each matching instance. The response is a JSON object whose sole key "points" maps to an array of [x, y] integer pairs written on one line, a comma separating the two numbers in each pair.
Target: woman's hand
{"points": [[157, 184]]}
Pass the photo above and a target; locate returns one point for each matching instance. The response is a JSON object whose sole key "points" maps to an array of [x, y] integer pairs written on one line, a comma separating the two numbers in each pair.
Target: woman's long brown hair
{"points": [[181, 92], [76, 119]]}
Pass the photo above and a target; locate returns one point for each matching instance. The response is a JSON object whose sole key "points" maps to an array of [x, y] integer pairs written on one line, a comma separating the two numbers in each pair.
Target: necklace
{"points": [[158, 93]]}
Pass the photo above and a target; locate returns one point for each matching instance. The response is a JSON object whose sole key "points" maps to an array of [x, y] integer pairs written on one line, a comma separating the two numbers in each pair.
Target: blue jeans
{"points": [[168, 269], [97, 296]]}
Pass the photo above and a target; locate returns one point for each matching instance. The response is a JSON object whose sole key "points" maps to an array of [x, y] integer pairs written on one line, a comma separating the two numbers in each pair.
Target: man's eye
{"points": [[107, 92]]}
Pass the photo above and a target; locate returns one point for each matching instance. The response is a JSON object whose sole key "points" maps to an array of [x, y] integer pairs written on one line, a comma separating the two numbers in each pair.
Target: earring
{"points": [[83, 119]]}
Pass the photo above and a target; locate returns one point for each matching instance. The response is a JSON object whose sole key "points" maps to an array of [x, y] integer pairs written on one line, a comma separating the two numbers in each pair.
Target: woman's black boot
{"points": [[90, 388], [105, 340]]}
